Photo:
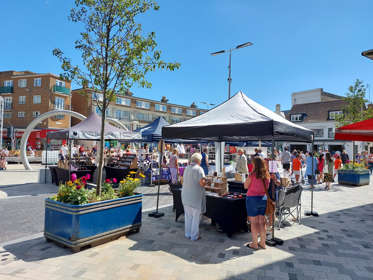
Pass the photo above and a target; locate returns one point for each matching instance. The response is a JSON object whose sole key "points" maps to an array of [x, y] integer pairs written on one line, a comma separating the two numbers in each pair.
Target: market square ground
{"points": [[336, 245]]}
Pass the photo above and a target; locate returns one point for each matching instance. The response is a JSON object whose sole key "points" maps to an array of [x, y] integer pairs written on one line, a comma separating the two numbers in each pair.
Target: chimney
{"points": [[193, 105], [278, 108], [164, 99]]}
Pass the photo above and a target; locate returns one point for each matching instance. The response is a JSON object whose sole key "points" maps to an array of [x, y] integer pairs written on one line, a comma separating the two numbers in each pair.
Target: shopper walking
{"points": [[193, 196], [285, 159], [205, 161], [328, 171], [256, 201], [174, 167], [337, 165], [297, 165], [320, 169], [344, 157], [311, 167]]}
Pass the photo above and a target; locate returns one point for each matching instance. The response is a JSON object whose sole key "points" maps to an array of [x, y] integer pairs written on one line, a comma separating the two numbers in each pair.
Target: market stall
{"points": [[89, 129], [238, 119]]}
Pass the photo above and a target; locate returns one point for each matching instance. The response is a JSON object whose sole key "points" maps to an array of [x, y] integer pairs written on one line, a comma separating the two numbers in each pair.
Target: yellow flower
{"points": [[69, 183], [141, 175], [122, 182], [137, 179], [132, 172]]}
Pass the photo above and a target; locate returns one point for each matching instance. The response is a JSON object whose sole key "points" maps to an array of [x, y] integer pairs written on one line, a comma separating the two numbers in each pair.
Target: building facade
{"points": [[133, 111], [317, 110], [26, 96]]}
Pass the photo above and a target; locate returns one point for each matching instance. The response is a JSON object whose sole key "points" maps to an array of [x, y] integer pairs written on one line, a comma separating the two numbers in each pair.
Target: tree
{"points": [[355, 109], [115, 52]]}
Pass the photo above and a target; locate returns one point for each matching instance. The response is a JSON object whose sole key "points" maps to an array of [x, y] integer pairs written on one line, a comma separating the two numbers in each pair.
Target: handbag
{"points": [[270, 209]]}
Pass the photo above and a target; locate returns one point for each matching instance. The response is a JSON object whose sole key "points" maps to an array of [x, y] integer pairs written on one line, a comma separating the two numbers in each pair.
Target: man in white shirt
{"points": [[285, 159]]}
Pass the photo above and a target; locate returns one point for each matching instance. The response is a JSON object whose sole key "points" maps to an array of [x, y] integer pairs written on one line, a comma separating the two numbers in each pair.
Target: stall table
{"points": [[118, 173], [236, 187], [61, 175], [228, 213]]}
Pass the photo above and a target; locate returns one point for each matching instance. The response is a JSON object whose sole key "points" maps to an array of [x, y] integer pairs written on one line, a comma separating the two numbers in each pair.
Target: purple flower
{"points": [[73, 177]]}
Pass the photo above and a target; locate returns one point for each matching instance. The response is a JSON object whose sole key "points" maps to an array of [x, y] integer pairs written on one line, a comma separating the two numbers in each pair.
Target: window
{"points": [[108, 112], [160, 108], [8, 83], [59, 103], [123, 101], [21, 114], [8, 103], [296, 118], [22, 99], [123, 115], [97, 96], [98, 111], [60, 83], [7, 115], [174, 120], [35, 114], [191, 112], [22, 83], [319, 132], [334, 114], [176, 110], [36, 99], [37, 82], [143, 117], [330, 132], [143, 104]]}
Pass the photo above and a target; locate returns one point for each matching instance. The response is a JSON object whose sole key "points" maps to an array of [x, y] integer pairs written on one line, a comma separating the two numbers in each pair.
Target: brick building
{"points": [[133, 111], [27, 95]]}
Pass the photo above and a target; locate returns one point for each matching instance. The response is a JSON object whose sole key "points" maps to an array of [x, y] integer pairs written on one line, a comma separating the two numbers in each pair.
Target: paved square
{"points": [[336, 245]]}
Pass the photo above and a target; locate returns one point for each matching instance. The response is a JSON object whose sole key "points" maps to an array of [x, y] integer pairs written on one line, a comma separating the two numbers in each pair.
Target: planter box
{"points": [[352, 177], [77, 226]]}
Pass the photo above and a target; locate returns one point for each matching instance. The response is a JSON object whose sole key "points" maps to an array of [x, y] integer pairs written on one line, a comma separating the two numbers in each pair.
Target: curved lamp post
{"points": [[368, 54]]}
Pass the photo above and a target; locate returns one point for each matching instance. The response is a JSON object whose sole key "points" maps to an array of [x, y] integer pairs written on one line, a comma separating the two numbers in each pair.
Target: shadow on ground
{"points": [[32, 189]]}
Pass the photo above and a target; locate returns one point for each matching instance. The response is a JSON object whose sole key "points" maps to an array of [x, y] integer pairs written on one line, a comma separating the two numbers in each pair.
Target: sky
{"points": [[297, 45]]}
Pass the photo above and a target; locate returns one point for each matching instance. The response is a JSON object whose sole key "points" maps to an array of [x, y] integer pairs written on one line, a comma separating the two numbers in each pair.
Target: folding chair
{"points": [[289, 204]]}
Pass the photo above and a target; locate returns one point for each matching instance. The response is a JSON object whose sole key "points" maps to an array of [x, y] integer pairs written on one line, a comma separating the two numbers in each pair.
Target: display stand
{"points": [[312, 213], [156, 214], [273, 241]]}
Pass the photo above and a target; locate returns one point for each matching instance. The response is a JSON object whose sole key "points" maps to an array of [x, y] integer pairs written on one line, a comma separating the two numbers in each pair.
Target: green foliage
{"points": [[354, 166], [115, 51], [73, 193], [356, 109]]}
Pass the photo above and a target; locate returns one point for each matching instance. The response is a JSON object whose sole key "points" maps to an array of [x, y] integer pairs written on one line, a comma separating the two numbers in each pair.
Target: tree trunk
{"points": [[102, 145]]}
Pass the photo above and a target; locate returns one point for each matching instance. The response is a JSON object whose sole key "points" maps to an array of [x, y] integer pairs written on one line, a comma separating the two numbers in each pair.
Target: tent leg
{"points": [[274, 241], [312, 213], [46, 160]]}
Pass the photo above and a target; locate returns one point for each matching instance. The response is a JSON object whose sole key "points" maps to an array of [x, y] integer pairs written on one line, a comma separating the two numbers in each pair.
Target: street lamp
{"points": [[207, 104], [368, 54], [247, 44]]}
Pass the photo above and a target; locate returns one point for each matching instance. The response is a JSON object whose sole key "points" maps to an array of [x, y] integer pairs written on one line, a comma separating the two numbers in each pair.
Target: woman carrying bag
{"points": [[257, 199]]}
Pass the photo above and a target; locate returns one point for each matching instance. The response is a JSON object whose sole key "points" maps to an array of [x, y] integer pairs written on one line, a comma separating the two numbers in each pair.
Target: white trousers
{"points": [[192, 217]]}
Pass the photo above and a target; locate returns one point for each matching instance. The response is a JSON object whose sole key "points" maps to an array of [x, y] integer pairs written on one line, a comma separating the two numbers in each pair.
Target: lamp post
{"points": [[247, 44], [207, 104], [368, 54]]}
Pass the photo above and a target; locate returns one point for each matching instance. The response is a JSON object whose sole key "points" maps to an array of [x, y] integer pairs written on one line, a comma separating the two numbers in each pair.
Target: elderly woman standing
{"points": [[193, 196], [241, 162]]}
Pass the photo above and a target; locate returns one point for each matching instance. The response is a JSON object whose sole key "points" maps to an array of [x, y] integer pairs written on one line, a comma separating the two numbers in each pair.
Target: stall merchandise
{"points": [[228, 212]]}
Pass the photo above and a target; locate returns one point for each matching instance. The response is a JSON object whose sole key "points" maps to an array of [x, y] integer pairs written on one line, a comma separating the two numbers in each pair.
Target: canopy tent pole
{"points": [[312, 213], [274, 241], [156, 214], [70, 155], [46, 160]]}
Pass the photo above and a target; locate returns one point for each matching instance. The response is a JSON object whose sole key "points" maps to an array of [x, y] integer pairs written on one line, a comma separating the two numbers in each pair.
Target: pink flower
{"points": [[78, 187], [73, 177], [114, 180], [84, 180], [88, 176], [108, 181]]}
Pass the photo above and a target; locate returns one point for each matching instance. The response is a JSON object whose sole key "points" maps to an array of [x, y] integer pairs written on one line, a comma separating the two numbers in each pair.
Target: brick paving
{"points": [[336, 245]]}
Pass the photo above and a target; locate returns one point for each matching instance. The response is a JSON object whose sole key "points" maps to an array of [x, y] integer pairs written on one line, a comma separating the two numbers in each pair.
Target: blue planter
{"points": [[352, 177], [77, 226]]}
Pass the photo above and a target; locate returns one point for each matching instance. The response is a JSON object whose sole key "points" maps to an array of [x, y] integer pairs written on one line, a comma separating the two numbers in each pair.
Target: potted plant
{"points": [[354, 174], [77, 217]]}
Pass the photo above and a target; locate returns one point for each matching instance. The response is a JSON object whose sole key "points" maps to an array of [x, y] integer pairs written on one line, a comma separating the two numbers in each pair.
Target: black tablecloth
{"points": [[237, 187], [118, 173], [228, 213], [61, 175]]}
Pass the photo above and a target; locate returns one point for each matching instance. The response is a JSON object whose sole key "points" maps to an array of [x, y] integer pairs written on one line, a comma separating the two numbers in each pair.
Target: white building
{"points": [[316, 110]]}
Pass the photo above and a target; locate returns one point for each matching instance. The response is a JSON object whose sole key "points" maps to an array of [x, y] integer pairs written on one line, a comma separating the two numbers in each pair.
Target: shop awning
{"points": [[359, 131], [238, 119]]}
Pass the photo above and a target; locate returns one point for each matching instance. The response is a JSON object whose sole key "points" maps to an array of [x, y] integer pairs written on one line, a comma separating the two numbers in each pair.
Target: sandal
{"points": [[261, 247], [249, 245]]}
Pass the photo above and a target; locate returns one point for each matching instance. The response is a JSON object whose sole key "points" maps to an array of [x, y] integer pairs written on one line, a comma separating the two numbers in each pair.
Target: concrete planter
{"points": [[77, 226], [353, 177]]}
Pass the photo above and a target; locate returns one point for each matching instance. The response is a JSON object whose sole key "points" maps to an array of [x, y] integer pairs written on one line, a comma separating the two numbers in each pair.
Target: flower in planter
{"points": [[128, 186], [78, 187], [115, 180], [107, 181], [74, 177], [141, 175], [88, 176]]}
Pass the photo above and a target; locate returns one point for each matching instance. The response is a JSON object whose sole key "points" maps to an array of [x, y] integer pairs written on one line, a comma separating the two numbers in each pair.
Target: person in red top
{"points": [[250, 165], [297, 165], [320, 169], [256, 202], [337, 164]]}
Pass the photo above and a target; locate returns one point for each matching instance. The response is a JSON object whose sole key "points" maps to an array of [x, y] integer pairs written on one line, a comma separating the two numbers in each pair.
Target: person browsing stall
{"points": [[241, 162], [297, 165], [256, 202], [193, 196]]}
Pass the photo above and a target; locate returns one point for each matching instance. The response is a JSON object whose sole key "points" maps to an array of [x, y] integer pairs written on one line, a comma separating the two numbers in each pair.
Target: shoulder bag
{"points": [[270, 209]]}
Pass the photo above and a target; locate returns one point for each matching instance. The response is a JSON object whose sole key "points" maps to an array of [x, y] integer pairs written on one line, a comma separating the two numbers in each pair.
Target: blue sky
{"points": [[298, 45]]}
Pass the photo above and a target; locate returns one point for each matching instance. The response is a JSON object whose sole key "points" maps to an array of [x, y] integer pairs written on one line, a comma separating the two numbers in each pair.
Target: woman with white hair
{"points": [[193, 196]]}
